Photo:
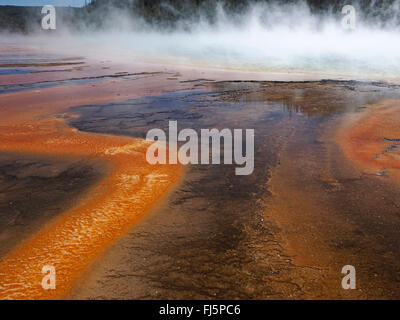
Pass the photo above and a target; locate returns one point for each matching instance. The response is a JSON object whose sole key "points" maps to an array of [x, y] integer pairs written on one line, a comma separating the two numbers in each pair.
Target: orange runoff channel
{"points": [[72, 241]]}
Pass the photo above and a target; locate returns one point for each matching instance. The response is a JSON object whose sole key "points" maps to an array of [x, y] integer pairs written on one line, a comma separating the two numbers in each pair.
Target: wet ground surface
{"points": [[67, 82], [35, 71], [283, 232], [33, 191]]}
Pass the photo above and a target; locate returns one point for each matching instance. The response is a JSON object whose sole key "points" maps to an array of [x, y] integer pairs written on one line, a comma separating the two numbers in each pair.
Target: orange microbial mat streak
{"points": [[71, 242], [371, 139]]}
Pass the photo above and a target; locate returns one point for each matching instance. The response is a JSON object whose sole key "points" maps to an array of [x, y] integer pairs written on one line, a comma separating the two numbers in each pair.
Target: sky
{"points": [[73, 3]]}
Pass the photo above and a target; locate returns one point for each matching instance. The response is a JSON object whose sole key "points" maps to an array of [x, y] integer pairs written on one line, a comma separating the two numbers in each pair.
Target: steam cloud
{"points": [[269, 36]]}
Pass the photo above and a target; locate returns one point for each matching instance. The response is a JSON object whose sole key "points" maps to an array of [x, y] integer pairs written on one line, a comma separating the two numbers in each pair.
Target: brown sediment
{"points": [[371, 139], [74, 240], [312, 195], [284, 232], [334, 212]]}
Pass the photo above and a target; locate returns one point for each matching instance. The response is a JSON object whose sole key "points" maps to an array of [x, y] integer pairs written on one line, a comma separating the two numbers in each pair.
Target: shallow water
{"points": [[279, 233], [224, 236]]}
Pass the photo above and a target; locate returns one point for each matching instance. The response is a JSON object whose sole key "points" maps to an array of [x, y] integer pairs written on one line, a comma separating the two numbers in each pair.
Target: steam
{"points": [[262, 37]]}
